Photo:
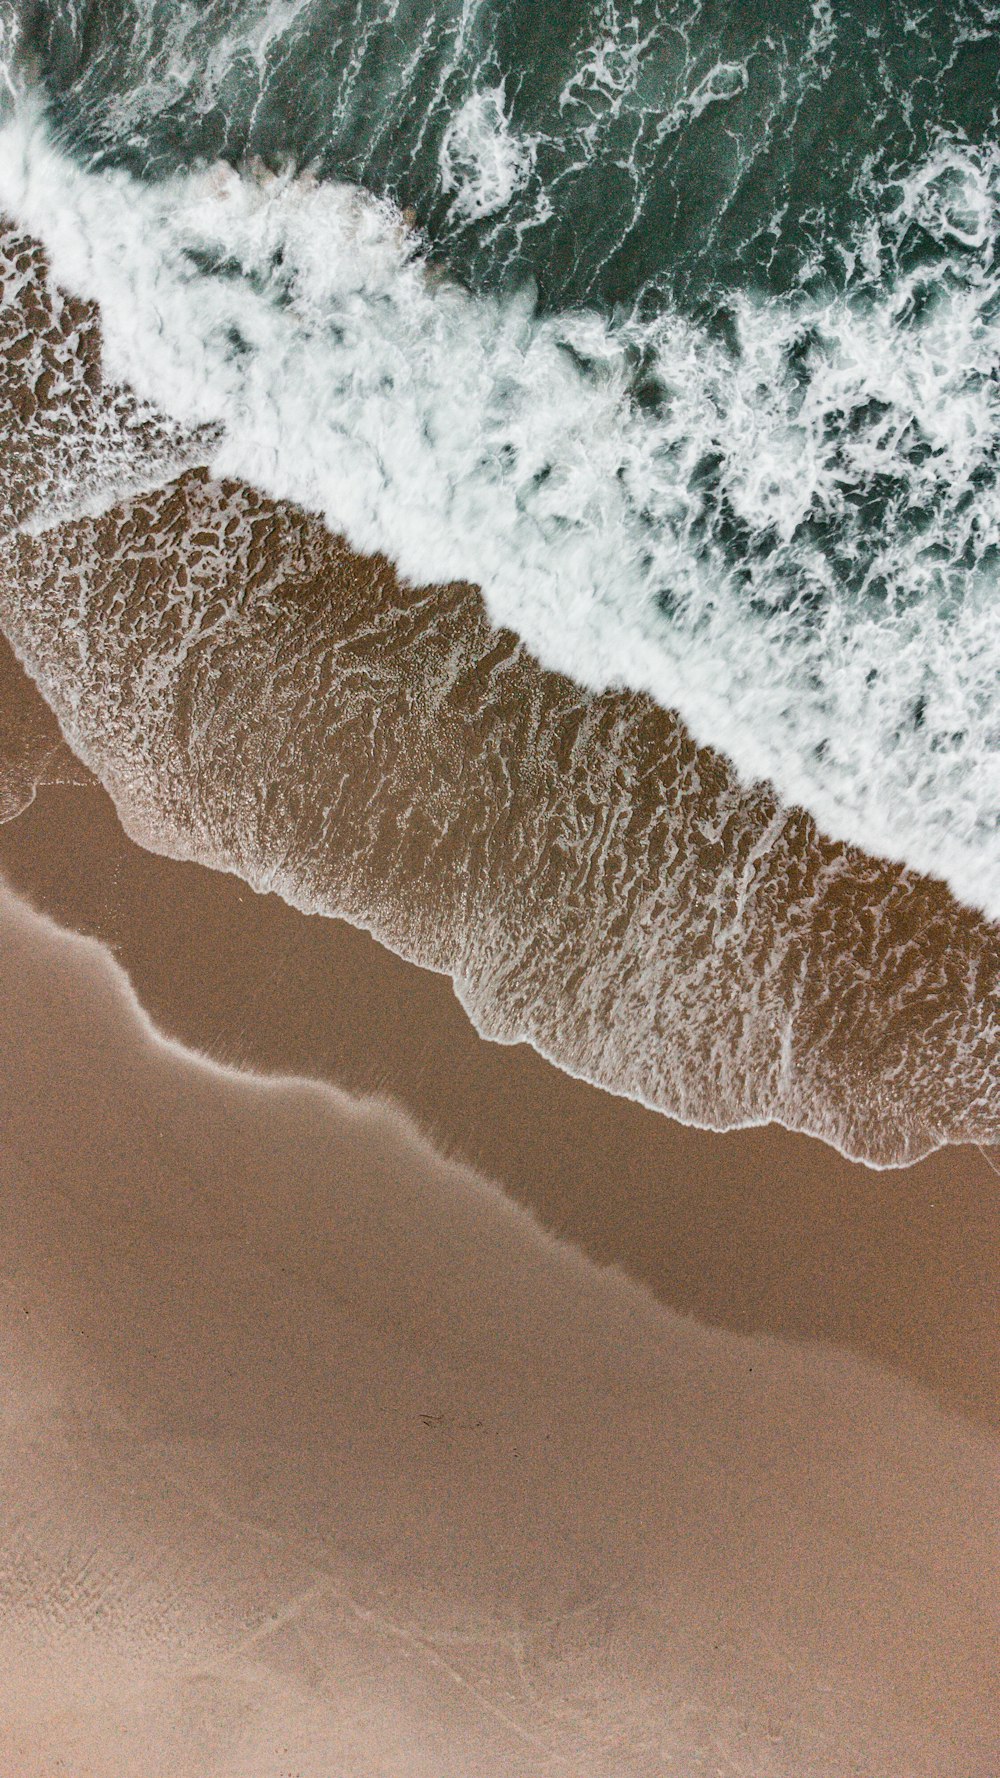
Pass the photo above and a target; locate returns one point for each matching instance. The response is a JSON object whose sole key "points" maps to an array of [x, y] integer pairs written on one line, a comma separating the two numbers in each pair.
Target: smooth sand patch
{"points": [[320, 1456]]}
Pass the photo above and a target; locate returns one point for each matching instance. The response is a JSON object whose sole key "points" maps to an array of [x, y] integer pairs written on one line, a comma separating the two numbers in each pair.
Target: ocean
{"points": [[674, 332]]}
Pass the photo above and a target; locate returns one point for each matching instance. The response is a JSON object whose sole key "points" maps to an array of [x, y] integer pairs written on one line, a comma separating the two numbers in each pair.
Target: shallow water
{"points": [[255, 696]]}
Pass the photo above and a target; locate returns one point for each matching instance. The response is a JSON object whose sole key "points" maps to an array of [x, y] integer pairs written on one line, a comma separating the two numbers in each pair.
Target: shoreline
{"points": [[758, 1230], [257, 697], [498, 1206], [319, 1448]]}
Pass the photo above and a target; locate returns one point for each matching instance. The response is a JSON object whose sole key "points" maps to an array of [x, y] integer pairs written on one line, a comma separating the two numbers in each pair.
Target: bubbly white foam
{"points": [[724, 81], [793, 543], [482, 160]]}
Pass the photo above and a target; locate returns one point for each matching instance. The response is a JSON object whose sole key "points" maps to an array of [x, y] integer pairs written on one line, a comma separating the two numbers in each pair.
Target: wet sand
{"points": [[320, 1456], [759, 1231], [32, 750]]}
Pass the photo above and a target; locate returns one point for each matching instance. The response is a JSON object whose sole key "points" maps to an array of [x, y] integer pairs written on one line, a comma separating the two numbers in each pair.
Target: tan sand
{"points": [[759, 1231], [319, 1457]]}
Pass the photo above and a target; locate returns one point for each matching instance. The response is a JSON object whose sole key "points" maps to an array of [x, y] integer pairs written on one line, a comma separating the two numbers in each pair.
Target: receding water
{"points": [[675, 331]]}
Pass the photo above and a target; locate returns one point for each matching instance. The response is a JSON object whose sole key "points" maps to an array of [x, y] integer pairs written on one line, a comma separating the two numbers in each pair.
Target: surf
{"points": [[786, 527]]}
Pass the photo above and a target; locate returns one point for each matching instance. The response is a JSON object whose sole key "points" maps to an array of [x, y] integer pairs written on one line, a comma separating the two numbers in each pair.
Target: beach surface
{"points": [[320, 1453], [761, 1230], [381, 1393]]}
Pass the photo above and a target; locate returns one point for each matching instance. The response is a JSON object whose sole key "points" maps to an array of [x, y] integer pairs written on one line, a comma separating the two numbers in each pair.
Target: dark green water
{"points": [[627, 184]]}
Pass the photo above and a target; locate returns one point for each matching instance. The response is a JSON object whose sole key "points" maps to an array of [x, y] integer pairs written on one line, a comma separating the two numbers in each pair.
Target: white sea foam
{"points": [[482, 160], [793, 544], [723, 82]]}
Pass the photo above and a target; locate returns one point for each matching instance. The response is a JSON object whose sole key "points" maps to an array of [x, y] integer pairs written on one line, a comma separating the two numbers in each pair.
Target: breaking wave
{"points": [[783, 522]]}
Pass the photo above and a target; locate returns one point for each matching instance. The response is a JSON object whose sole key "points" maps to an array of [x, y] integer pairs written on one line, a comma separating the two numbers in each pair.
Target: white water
{"points": [[468, 439], [483, 161]]}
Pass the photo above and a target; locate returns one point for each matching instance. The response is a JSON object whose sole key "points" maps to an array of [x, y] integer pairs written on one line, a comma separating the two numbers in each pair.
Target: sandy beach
{"points": [[382, 1399], [761, 1231], [320, 1454]]}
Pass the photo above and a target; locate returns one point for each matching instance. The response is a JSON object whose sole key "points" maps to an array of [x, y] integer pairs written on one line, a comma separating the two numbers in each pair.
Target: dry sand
{"points": [[320, 1457]]}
